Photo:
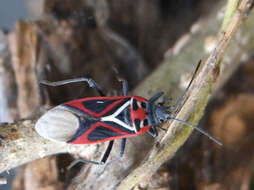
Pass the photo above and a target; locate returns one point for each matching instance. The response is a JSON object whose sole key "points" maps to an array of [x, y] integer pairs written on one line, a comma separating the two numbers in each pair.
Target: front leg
{"points": [[153, 132]]}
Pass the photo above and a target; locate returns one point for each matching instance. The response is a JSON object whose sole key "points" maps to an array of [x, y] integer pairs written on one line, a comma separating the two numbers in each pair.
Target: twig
{"points": [[20, 144], [231, 8], [193, 107]]}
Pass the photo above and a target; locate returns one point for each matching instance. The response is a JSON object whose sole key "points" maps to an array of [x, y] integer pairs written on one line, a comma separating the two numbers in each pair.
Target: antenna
{"points": [[186, 90], [198, 129]]}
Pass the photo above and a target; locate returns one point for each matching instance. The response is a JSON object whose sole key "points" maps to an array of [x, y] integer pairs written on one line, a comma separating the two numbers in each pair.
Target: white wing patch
{"points": [[58, 124]]}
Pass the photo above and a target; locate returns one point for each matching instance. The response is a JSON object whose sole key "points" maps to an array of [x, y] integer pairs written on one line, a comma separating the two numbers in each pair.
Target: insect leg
{"points": [[125, 85], [153, 132], [122, 148], [154, 98], [90, 82], [125, 93], [102, 162], [125, 88], [83, 161], [107, 152]]}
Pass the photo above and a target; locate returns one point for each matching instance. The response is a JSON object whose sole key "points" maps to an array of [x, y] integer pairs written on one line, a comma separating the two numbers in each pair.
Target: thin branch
{"points": [[20, 144], [230, 11]]}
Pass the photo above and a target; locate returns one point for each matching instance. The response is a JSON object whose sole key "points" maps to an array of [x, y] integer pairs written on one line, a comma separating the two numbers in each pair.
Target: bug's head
{"points": [[160, 114]]}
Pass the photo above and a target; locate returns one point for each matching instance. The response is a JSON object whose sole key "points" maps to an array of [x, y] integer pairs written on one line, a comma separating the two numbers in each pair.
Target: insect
{"points": [[100, 119]]}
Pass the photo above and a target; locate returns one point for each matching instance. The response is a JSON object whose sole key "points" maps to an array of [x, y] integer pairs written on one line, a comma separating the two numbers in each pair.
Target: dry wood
{"points": [[20, 144], [23, 43]]}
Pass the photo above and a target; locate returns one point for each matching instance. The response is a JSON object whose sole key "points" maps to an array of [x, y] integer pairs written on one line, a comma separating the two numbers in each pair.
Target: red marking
{"points": [[139, 98], [140, 113], [78, 103], [82, 139]]}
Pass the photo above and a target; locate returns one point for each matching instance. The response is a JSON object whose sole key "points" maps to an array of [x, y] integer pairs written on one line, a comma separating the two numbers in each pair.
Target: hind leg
{"points": [[90, 82]]}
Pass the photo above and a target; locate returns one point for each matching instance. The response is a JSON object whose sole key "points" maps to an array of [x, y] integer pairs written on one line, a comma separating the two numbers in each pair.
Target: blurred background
{"points": [[102, 39], [12, 11]]}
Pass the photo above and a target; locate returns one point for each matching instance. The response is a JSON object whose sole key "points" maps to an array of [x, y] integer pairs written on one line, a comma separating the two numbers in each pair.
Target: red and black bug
{"points": [[100, 119]]}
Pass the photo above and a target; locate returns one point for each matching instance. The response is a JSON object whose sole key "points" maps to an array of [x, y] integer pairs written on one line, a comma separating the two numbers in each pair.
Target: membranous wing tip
{"points": [[58, 124]]}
